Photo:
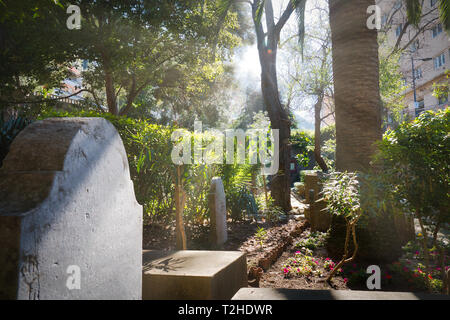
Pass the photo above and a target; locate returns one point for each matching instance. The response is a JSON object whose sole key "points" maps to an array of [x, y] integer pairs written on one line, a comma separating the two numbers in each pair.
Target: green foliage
{"points": [[302, 145], [237, 181], [8, 131], [414, 158], [269, 210], [315, 240], [342, 194], [261, 235], [34, 48], [167, 56], [149, 150], [240, 202], [441, 90], [392, 85], [376, 235]]}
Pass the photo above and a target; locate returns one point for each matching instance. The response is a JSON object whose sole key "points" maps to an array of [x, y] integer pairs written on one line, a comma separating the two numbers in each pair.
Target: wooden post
{"points": [[180, 198]]}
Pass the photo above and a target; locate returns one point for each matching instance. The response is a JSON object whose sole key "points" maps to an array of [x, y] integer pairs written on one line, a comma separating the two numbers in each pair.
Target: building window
{"points": [[439, 61], [398, 4], [420, 104], [384, 19], [292, 166], [398, 31], [419, 107], [418, 73], [415, 46], [437, 29]]}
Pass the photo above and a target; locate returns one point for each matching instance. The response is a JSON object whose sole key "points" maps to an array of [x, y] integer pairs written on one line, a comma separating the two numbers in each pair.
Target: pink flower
{"points": [[345, 280]]}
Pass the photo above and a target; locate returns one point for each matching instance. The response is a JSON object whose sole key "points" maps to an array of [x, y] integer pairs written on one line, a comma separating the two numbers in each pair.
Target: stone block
{"points": [[70, 225], [193, 275], [295, 294], [318, 216]]}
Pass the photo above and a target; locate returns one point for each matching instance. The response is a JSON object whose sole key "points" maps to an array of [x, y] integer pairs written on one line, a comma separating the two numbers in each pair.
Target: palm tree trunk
{"points": [[356, 84]]}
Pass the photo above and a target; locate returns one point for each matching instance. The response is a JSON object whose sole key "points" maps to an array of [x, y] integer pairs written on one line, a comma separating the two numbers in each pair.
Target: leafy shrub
{"points": [[342, 196], [240, 201], [315, 240], [261, 235], [149, 148], [238, 181], [302, 144], [414, 160], [268, 209]]}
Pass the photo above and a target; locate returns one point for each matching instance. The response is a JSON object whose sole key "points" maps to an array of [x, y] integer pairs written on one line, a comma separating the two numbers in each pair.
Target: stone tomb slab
{"points": [[192, 275], [294, 294]]}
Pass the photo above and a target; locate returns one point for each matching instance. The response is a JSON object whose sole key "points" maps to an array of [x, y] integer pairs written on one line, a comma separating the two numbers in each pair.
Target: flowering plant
{"points": [[301, 265]]}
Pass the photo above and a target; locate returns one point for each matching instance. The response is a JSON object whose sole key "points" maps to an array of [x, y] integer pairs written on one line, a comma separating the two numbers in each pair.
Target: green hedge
{"points": [[149, 148]]}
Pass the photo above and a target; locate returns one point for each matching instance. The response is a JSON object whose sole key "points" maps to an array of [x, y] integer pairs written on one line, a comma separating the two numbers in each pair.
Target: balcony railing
{"points": [[412, 114]]}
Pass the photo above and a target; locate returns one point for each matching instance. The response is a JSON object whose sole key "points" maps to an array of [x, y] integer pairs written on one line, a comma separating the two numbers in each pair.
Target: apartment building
{"points": [[426, 55]]}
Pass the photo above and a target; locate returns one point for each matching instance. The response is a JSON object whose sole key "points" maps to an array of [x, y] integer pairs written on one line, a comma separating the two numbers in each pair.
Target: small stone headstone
{"points": [[218, 209], [70, 226], [318, 216]]}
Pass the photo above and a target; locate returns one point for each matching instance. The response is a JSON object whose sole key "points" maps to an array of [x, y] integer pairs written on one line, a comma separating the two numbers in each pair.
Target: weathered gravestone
{"points": [[70, 226], [319, 218], [217, 207]]}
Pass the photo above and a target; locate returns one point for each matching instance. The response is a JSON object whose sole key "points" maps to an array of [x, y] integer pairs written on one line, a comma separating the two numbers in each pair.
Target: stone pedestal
{"points": [[319, 218], [218, 210], [70, 226], [193, 275]]}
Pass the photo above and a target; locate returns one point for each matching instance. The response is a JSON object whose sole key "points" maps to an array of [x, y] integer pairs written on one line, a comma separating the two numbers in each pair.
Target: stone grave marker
{"points": [[218, 209], [70, 226]]}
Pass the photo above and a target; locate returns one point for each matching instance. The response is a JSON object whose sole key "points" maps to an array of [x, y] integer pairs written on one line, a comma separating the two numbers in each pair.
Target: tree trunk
{"points": [[356, 84], [317, 140], [279, 119], [110, 94], [109, 85]]}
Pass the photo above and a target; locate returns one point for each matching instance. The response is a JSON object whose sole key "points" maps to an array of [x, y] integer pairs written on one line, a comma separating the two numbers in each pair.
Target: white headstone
{"points": [[70, 225], [218, 209]]}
